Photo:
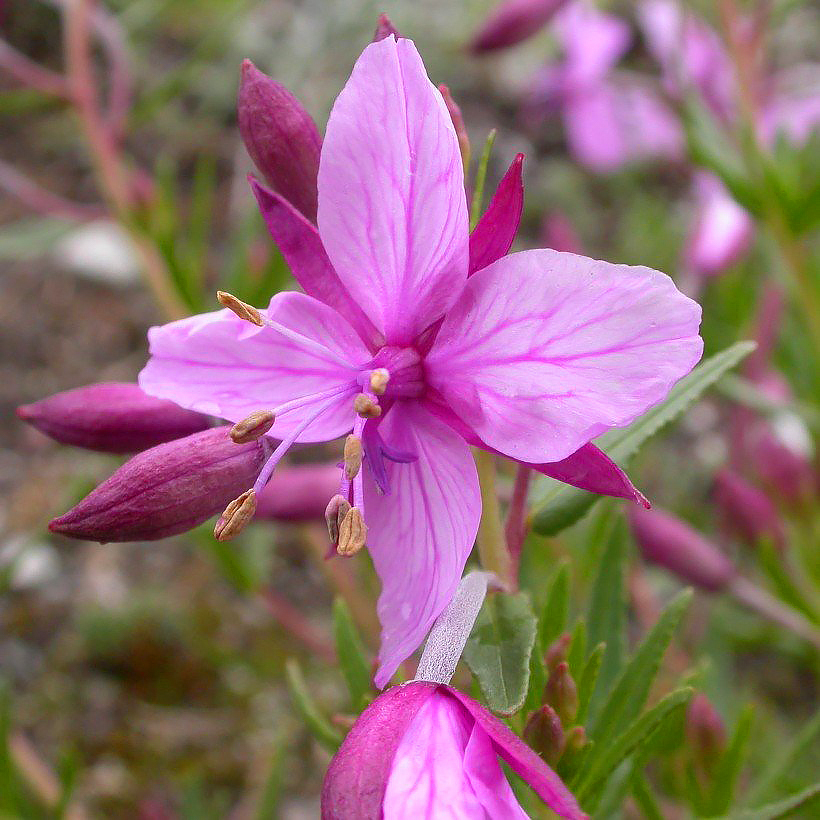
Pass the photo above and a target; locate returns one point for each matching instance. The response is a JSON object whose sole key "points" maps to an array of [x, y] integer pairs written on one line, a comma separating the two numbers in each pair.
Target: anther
{"points": [[352, 533], [242, 309], [379, 379], [253, 427], [366, 407], [338, 507], [236, 516], [353, 456]]}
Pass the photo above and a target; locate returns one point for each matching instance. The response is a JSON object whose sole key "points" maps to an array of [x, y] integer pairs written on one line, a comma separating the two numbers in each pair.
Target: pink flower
{"points": [[425, 750], [400, 340]]}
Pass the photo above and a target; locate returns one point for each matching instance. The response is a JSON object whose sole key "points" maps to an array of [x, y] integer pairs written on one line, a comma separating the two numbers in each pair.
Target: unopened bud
{"points": [[384, 28], [281, 138], [557, 651], [705, 730], [242, 309], [512, 22], [353, 456], [748, 511], [236, 516], [562, 694], [366, 407], [545, 734], [458, 124], [337, 509], [379, 379], [674, 545], [112, 417], [352, 533], [253, 427], [576, 740], [168, 489]]}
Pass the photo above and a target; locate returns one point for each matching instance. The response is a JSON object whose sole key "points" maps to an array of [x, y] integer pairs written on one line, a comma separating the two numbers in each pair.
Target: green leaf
{"points": [[587, 680], [319, 726], [560, 505], [604, 761], [498, 650], [556, 608], [606, 621], [782, 808], [480, 179], [352, 657], [646, 801], [577, 649], [631, 690], [537, 682], [728, 768]]}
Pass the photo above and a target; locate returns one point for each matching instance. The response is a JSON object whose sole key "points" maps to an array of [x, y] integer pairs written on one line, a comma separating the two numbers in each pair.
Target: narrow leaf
{"points": [[480, 178], [728, 768], [577, 650], [352, 656], [556, 608], [499, 649], [560, 505], [321, 729], [587, 680], [782, 808]]}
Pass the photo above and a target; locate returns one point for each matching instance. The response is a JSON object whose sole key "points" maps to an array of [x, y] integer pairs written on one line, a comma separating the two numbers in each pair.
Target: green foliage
{"points": [[499, 648], [352, 657], [318, 724], [480, 179], [555, 611]]}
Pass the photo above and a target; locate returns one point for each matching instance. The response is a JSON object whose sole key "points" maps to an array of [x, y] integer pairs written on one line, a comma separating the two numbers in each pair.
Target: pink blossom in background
{"points": [[513, 21], [400, 340], [424, 750]]}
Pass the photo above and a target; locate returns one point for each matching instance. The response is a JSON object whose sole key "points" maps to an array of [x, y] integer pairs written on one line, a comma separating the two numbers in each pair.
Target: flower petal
{"points": [[298, 240], [392, 210], [421, 534], [544, 351], [522, 759], [219, 364], [494, 234]]}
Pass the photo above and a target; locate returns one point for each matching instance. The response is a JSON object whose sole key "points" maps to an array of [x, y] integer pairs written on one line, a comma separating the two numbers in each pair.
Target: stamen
{"points": [[352, 533], [353, 456], [296, 404], [337, 509], [242, 309], [236, 516], [379, 379], [366, 406], [253, 427]]}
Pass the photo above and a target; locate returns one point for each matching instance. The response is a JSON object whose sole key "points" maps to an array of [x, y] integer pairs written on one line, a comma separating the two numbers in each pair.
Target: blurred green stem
{"points": [[492, 547]]}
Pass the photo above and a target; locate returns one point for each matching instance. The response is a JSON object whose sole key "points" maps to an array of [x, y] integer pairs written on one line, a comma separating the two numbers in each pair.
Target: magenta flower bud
{"points": [[748, 511], [705, 729], [384, 28], [281, 138], [426, 750], [561, 693], [785, 472], [545, 734], [298, 493], [166, 490], [512, 22], [674, 545], [113, 417]]}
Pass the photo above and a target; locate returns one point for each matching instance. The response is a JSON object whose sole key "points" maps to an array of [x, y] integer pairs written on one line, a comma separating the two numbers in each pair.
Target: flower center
{"points": [[404, 371]]}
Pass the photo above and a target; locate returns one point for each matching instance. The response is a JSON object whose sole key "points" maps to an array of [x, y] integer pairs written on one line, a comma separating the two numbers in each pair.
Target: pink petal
{"points": [[392, 210], [494, 234], [544, 351], [421, 534], [218, 364], [522, 759], [298, 240]]}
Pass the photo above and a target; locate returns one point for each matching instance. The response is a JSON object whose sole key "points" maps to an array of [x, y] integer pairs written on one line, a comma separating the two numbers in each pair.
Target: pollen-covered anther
{"points": [[242, 309], [337, 508], [253, 427], [236, 516], [353, 456], [366, 407], [379, 379], [352, 533]]}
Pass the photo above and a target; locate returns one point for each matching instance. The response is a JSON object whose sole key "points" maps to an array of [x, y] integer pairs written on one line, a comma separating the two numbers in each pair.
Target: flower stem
{"points": [[515, 528], [492, 548]]}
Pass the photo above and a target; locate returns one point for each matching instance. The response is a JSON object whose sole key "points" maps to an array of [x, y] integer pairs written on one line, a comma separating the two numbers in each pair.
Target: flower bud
{"points": [[512, 22], [458, 123], [674, 545], [298, 493], [281, 138], [545, 734], [112, 417], [166, 490], [384, 28], [747, 510], [557, 651], [705, 730], [785, 472], [562, 694]]}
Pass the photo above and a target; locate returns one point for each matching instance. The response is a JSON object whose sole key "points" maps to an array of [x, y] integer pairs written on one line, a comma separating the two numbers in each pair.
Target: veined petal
{"points": [[392, 210], [219, 364], [544, 350], [421, 534]]}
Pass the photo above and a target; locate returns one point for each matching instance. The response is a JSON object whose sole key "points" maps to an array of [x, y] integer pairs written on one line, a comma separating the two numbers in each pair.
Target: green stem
{"points": [[492, 549]]}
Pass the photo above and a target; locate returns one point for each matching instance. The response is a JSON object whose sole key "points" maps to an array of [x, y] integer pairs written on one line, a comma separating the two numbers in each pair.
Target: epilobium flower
{"points": [[399, 341], [112, 417]]}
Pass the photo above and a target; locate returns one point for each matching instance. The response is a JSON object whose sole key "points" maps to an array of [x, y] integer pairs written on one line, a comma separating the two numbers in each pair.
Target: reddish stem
{"points": [[516, 526], [297, 625]]}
